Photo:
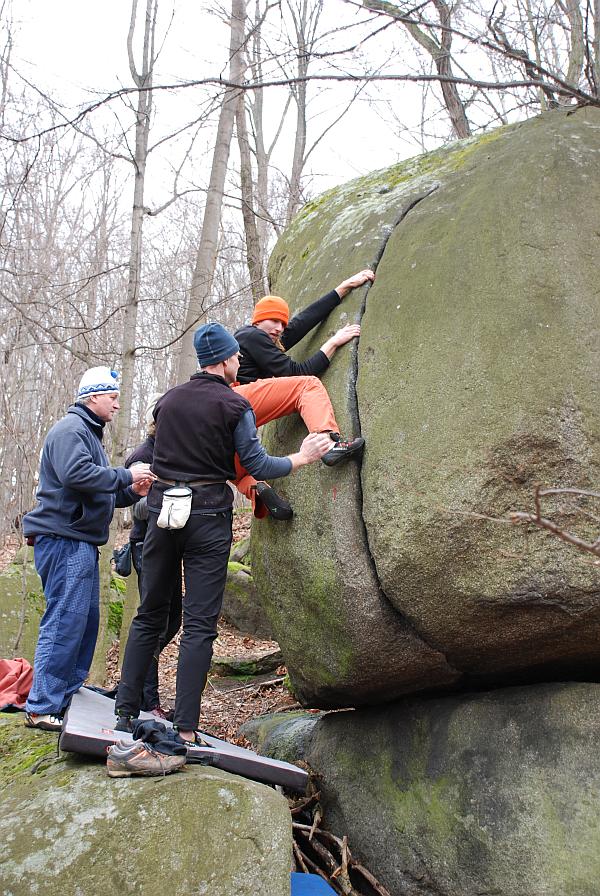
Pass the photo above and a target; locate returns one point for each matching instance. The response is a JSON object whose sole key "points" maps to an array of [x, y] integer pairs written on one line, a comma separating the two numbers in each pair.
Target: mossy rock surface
{"points": [[256, 663], [488, 793], [69, 830], [476, 376], [21, 607], [23, 752], [241, 603], [285, 735], [240, 552]]}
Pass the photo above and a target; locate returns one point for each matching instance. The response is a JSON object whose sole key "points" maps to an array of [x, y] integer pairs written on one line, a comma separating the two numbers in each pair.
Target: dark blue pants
{"points": [[151, 696], [69, 627], [203, 545]]}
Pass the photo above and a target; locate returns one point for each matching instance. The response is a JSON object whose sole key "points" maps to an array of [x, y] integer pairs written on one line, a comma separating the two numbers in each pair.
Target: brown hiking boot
{"points": [[138, 758]]}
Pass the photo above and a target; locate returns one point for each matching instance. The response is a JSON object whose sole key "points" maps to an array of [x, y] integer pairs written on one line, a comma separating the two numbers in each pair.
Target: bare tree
{"points": [[202, 280], [540, 56], [142, 78], [436, 40]]}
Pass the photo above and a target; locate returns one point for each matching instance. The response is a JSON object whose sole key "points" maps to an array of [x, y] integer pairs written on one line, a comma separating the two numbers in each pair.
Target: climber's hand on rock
{"points": [[356, 280], [350, 331]]}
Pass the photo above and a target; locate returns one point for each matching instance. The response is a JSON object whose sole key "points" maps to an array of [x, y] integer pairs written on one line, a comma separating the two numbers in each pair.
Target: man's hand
{"points": [[142, 486], [350, 331], [352, 282], [139, 469], [312, 449], [142, 478]]}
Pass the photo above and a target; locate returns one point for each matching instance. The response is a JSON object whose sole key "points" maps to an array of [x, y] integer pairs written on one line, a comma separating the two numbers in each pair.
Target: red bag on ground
{"points": [[16, 677]]}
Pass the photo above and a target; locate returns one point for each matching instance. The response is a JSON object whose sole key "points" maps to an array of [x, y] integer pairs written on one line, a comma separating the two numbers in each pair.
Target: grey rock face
{"points": [[476, 376], [241, 603], [494, 792]]}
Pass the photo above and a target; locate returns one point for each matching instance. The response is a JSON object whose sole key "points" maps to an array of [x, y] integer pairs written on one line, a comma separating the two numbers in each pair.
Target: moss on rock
{"points": [[494, 792], [23, 752], [241, 604], [68, 829]]}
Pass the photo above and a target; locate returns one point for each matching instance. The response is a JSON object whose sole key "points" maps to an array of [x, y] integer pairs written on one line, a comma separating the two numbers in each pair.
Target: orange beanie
{"points": [[271, 308]]}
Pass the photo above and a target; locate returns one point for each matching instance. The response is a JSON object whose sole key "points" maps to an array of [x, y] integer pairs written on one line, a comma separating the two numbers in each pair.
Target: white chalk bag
{"points": [[176, 508]]}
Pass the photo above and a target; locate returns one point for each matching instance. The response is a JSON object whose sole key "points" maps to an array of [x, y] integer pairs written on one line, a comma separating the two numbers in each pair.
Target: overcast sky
{"points": [[76, 49]]}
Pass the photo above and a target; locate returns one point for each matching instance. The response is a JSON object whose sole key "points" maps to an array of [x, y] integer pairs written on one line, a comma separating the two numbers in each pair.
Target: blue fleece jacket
{"points": [[78, 490]]}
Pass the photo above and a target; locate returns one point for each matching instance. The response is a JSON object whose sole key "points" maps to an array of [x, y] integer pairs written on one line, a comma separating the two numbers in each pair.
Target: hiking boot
{"points": [[278, 507], [125, 760], [125, 723], [342, 450], [47, 722]]}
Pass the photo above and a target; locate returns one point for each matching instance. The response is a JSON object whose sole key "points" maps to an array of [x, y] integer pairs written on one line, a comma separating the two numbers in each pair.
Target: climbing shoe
{"points": [[125, 723], [342, 450], [125, 760], [198, 740], [47, 722], [278, 507]]}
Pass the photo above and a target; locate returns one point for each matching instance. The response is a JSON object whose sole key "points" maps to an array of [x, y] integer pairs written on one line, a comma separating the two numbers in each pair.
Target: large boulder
{"points": [[69, 830], [493, 792], [476, 376]]}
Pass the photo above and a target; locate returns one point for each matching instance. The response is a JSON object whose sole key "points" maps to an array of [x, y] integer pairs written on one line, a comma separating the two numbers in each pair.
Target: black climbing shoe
{"points": [[198, 740], [342, 450], [125, 723], [278, 507]]}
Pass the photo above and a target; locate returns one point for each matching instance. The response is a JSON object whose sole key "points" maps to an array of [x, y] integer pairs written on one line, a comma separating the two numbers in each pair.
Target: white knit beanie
{"points": [[98, 381]]}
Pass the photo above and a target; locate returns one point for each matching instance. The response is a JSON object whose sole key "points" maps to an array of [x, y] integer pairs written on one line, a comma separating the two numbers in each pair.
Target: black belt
{"points": [[192, 482]]}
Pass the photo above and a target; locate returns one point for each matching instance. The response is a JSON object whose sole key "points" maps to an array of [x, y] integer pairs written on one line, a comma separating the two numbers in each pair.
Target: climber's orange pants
{"points": [[278, 397]]}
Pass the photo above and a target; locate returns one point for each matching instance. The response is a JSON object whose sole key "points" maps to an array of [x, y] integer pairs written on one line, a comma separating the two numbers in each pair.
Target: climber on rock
{"points": [[276, 386]]}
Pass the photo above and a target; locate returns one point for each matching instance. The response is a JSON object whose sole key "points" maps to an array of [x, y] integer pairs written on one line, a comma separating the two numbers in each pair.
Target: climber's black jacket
{"points": [[261, 358]]}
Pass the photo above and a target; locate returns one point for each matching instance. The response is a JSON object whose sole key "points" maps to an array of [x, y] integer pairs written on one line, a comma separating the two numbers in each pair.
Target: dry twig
{"points": [[542, 522]]}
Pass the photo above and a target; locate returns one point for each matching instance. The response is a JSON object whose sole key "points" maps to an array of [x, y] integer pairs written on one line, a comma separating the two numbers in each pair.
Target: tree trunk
{"points": [[143, 80], [576, 43], [98, 669], [441, 55], [254, 249], [206, 258]]}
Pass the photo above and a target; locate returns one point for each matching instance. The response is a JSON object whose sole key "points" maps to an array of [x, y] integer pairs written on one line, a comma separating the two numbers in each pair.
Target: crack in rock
{"points": [[355, 417]]}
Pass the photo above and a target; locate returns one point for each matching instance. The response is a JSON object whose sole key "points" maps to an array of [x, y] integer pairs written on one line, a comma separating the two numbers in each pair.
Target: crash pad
{"points": [[88, 728], [310, 885]]}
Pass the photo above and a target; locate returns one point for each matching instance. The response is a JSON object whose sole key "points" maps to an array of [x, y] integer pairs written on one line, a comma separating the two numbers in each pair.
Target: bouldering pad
{"points": [[88, 728], [310, 885]]}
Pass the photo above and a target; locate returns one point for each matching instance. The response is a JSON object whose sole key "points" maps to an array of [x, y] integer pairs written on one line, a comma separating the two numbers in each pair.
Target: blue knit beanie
{"points": [[214, 344]]}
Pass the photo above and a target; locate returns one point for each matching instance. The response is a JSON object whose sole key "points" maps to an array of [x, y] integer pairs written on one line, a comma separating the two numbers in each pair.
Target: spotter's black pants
{"points": [[151, 696], [203, 545]]}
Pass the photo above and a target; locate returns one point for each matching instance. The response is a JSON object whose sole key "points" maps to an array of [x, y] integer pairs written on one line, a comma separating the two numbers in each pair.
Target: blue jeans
{"points": [[69, 627]]}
